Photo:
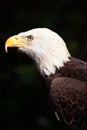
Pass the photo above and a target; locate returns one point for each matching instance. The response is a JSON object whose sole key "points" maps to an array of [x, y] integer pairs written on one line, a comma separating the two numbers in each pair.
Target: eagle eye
{"points": [[30, 37]]}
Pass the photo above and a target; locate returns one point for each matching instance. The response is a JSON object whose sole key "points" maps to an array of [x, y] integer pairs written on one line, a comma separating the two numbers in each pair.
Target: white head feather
{"points": [[47, 49]]}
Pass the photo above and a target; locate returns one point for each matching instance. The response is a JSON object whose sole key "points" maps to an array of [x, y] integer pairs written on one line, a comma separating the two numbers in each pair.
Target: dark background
{"points": [[23, 104]]}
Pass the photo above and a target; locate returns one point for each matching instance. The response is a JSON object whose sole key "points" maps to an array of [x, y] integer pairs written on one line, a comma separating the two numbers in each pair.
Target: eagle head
{"points": [[44, 46]]}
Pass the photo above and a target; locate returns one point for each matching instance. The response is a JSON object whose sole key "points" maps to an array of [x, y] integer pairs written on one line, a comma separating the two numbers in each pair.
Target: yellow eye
{"points": [[30, 37]]}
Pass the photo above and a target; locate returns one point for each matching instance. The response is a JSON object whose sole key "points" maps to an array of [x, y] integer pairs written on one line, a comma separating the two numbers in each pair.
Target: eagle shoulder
{"points": [[69, 97], [76, 69]]}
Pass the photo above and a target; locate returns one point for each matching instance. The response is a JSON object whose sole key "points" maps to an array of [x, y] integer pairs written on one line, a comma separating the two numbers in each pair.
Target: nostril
{"points": [[16, 38]]}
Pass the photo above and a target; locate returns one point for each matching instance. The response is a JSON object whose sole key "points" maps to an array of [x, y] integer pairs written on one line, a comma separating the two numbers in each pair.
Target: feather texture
{"points": [[68, 93]]}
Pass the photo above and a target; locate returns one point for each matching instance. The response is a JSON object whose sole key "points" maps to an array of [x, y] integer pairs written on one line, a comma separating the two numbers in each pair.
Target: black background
{"points": [[23, 104]]}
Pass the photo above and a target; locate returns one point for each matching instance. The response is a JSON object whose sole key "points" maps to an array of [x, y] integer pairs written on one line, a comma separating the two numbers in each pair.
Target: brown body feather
{"points": [[68, 93]]}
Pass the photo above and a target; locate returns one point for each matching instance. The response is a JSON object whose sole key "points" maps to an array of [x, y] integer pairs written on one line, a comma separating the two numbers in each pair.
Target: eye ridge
{"points": [[30, 37]]}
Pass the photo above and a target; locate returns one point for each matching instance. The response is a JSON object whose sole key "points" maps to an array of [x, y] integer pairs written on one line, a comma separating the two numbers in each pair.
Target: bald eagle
{"points": [[65, 76]]}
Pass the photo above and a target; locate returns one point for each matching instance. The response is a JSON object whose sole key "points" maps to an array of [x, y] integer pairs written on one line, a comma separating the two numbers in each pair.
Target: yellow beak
{"points": [[13, 41]]}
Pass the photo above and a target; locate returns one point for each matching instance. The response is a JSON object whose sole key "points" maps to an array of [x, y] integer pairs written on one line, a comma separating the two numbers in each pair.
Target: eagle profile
{"points": [[65, 76]]}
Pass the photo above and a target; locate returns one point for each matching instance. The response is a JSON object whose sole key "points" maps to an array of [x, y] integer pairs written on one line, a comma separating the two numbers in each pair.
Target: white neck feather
{"points": [[52, 60]]}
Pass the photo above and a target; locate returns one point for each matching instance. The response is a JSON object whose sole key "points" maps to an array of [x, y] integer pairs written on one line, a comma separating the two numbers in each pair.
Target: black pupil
{"points": [[30, 37]]}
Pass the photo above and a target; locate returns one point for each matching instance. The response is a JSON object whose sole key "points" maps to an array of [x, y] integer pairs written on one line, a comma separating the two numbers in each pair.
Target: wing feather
{"points": [[69, 97]]}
